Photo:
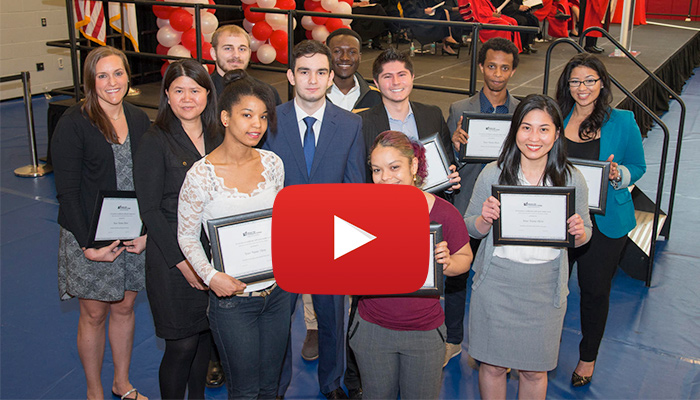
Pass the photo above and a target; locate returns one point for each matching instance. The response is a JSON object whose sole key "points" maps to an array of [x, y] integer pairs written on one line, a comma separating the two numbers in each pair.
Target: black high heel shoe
{"points": [[447, 53], [578, 380]]}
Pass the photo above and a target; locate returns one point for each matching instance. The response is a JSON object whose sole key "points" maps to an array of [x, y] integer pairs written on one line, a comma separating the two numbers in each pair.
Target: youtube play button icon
{"points": [[350, 239]]}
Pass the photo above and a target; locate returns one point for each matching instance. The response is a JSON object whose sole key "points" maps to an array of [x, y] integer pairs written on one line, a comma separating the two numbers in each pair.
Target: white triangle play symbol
{"points": [[347, 237]]}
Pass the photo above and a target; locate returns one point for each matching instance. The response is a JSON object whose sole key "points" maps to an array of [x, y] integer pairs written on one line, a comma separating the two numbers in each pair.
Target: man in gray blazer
{"points": [[498, 59]]}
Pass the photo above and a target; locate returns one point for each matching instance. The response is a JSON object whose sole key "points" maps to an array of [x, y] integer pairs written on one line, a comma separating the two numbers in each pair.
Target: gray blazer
{"points": [[469, 172], [482, 190]]}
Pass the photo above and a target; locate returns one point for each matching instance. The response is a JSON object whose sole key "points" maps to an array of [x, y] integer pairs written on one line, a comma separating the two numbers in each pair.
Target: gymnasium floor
{"points": [[649, 349]]}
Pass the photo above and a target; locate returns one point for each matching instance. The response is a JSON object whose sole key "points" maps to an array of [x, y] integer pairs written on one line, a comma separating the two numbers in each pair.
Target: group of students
{"points": [[213, 153]]}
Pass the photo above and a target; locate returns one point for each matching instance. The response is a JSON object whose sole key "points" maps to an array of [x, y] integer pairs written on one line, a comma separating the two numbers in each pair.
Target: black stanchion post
{"points": [[32, 170]]}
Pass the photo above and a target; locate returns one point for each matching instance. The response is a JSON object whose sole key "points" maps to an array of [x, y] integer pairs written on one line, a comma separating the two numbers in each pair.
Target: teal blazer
{"points": [[620, 136]]}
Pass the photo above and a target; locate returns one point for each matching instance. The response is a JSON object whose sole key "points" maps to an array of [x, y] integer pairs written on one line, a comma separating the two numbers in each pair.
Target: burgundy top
{"points": [[418, 313]]}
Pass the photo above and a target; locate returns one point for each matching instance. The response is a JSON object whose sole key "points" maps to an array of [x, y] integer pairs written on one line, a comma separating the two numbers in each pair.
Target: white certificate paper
{"points": [[486, 137], [533, 216], [246, 247], [119, 219], [436, 168], [594, 177]]}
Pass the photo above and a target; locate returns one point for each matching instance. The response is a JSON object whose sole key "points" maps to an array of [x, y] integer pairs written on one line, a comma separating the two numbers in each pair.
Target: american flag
{"points": [[130, 27], [90, 20]]}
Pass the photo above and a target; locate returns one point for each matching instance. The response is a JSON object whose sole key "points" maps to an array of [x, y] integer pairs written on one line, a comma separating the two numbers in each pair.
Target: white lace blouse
{"points": [[203, 197]]}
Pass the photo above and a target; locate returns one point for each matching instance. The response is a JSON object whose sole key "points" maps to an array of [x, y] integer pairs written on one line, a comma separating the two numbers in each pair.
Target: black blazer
{"points": [[160, 167], [83, 164], [429, 120]]}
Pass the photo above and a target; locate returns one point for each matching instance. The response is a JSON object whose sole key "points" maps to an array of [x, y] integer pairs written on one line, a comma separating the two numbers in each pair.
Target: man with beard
{"points": [[498, 59], [230, 49], [318, 142], [349, 91]]}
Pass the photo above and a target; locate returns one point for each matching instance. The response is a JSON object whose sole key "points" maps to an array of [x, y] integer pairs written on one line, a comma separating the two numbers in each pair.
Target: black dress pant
{"points": [[597, 262], [525, 19]]}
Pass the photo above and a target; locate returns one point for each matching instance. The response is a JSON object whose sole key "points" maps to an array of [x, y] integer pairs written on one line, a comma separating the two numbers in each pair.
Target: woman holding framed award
{"points": [[185, 129], [250, 323], [92, 152], [399, 342], [595, 131], [518, 302]]}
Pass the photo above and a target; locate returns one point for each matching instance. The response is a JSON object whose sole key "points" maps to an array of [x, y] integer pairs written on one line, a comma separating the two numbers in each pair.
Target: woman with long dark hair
{"points": [[250, 323], [595, 131], [399, 342], [185, 129], [92, 151], [518, 302]]}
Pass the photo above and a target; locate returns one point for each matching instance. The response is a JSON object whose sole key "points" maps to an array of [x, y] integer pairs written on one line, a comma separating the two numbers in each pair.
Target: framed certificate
{"points": [[434, 282], [487, 132], [438, 165], [534, 215], [116, 217], [241, 245], [596, 174]]}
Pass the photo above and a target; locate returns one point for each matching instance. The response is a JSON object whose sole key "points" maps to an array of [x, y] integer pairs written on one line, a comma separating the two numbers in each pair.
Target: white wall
{"points": [[23, 45]]}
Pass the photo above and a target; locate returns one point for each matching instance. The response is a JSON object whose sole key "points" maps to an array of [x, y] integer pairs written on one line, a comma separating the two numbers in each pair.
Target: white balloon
{"points": [[329, 5], [320, 33], [168, 37], [179, 51], [162, 22], [266, 54], [342, 8], [267, 3], [248, 26], [255, 43], [276, 21], [346, 21], [249, 1], [208, 37], [210, 22], [294, 23], [308, 23]]}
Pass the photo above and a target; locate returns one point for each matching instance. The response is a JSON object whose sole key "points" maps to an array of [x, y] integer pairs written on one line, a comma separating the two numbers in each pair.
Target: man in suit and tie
{"points": [[498, 59], [318, 142]]}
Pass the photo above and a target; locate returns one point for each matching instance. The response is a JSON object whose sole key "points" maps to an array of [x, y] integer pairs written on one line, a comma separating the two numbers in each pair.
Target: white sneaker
{"points": [[451, 350]]}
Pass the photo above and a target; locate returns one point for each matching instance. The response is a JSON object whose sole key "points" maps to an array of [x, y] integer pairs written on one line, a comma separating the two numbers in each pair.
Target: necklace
{"points": [[117, 117]]}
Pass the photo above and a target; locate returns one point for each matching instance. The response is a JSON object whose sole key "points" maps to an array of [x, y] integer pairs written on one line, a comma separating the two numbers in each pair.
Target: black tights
{"points": [[184, 367]]}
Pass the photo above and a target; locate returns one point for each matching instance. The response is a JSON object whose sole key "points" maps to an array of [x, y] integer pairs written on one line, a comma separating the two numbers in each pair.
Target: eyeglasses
{"points": [[587, 83]]}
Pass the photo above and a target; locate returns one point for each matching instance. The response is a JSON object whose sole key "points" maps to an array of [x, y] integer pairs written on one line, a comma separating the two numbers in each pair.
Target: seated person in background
{"points": [[422, 9], [557, 14], [523, 16], [369, 29], [484, 12], [350, 91]]}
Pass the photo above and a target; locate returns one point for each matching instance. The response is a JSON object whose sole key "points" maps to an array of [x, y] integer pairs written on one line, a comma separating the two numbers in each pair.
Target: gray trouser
{"points": [[393, 362]]}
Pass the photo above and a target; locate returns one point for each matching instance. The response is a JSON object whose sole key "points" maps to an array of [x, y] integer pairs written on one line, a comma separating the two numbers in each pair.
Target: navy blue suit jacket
{"points": [[340, 149]]}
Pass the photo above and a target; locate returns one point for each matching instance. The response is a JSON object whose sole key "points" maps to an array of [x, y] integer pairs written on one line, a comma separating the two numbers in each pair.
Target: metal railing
{"points": [[34, 169]]}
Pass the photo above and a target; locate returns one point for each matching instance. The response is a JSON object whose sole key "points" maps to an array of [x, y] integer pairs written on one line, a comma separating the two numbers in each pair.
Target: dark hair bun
{"points": [[235, 75]]}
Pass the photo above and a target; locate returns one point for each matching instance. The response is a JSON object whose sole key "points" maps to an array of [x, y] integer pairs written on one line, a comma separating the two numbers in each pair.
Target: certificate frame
{"points": [[216, 228], [96, 227], [568, 194], [434, 150], [467, 118], [589, 168], [437, 286]]}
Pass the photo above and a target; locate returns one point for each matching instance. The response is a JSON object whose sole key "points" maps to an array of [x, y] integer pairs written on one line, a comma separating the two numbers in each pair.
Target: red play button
{"points": [[350, 239]]}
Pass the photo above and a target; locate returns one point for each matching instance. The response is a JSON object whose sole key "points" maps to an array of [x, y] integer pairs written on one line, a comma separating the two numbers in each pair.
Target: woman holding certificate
{"points": [[519, 293], [92, 152], [250, 324], [185, 129], [595, 131], [399, 342]]}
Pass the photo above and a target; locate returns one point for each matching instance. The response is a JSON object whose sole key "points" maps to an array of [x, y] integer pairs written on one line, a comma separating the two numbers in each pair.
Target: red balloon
{"points": [[319, 20], [206, 51], [162, 50], [254, 57], [278, 40], [164, 68], [309, 5], [213, 11], [254, 16], [210, 68], [189, 39], [181, 20], [286, 4], [163, 12], [333, 24], [262, 31], [309, 35], [282, 56]]}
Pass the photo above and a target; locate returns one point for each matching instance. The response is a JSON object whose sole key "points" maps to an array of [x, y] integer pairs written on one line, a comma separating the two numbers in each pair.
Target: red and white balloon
{"points": [[269, 34], [319, 27]]}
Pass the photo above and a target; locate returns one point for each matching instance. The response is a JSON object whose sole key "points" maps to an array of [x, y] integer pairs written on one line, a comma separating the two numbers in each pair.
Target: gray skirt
{"points": [[512, 319]]}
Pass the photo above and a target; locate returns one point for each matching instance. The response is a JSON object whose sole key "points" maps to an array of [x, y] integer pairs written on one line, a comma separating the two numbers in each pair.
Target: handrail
{"points": [[664, 151], [475, 27], [33, 170]]}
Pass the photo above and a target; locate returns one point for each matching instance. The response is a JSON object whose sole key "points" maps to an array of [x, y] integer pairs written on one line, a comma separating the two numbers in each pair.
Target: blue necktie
{"points": [[309, 143]]}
